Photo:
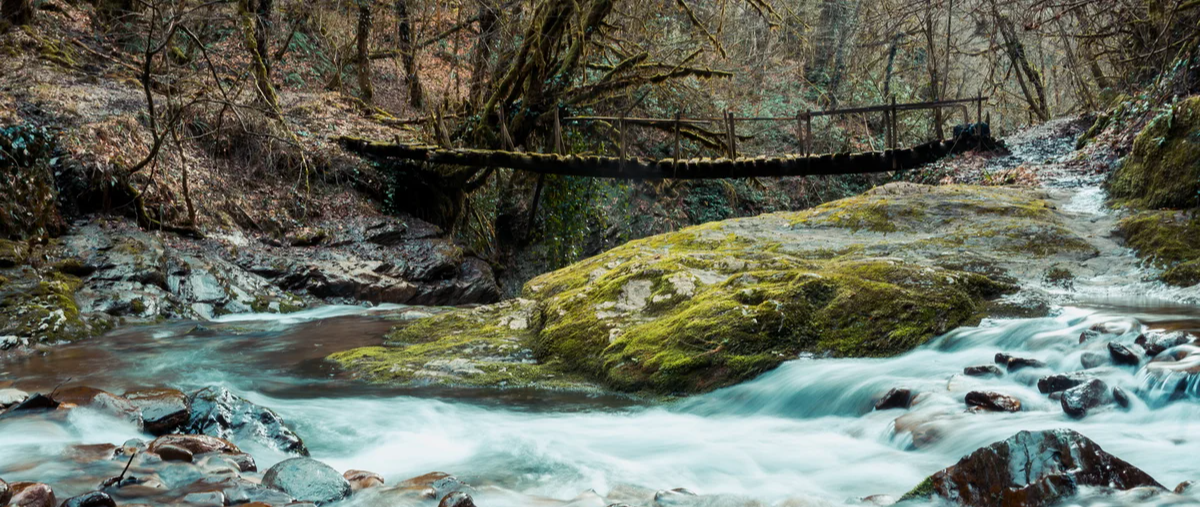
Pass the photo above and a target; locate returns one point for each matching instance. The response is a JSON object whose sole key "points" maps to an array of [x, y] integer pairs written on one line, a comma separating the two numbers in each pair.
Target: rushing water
{"points": [[806, 431]]}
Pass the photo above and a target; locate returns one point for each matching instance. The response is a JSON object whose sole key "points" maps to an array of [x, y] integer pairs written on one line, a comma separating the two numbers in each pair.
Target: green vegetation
{"points": [[1163, 171], [1169, 239]]}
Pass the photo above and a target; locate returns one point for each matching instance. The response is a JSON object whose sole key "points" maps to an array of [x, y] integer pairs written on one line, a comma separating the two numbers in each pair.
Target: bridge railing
{"points": [[728, 123]]}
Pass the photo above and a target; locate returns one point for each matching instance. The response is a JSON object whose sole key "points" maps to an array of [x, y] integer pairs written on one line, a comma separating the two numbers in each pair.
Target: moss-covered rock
{"points": [[42, 307], [1170, 240], [1163, 171], [712, 305], [12, 253]]}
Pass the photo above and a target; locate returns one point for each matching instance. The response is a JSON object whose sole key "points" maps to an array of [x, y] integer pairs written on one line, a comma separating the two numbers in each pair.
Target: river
{"points": [[805, 433]]}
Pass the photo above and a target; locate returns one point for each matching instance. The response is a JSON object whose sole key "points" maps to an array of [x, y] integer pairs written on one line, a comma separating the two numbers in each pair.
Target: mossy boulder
{"points": [[42, 307], [1168, 239], [712, 305], [1163, 170]]}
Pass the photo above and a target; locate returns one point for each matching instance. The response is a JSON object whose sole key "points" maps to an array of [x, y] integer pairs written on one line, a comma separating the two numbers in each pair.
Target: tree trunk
{"points": [[931, 59], [1086, 50], [262, 32], [365, 90], [408, 54], [481, 56], [256, 30], [17, 12], [1028, 78]]}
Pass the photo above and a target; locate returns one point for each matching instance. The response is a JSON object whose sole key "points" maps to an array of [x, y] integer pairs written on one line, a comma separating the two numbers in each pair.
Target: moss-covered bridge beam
{"points": [[638, 168]]}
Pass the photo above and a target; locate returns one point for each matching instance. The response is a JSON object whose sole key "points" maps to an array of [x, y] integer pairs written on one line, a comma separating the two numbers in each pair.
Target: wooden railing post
{"points": [[808, 137], [621, 140], [730, 131], [678, 153]]}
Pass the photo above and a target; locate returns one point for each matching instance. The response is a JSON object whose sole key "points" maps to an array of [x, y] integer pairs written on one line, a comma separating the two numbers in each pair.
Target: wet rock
{"points": [[36, 401], [1122, 355], [1121, 398], [10, 397], [673, 496], [196, 444], [1077, 400], [5, 492], [217, 412], [432, 485], [895, 398], [31, 494], [985, 370], [93, 499], [457, 499], [1013, 363], [1061, 381], [170, 452], [1184, 487], [1092, 359], [90, 397], [213, 498], [307, 479], [245, 492], [1157, 343], [992, 402], [362, 479], [244, 462], [1030, 469], [162, 410]]}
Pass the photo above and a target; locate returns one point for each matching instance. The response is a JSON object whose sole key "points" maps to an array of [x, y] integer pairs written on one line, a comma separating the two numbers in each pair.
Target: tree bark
{"points": [[1028, 78], [365, 90], [481, 56], [408, 54], [17, 12]]}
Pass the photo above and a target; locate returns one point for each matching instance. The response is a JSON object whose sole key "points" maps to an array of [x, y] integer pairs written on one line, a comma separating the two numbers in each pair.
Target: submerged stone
{"points": [[307, 480]]}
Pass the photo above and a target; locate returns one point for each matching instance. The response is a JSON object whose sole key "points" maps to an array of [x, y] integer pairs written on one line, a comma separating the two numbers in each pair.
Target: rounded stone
{"points": [[307, 480]]}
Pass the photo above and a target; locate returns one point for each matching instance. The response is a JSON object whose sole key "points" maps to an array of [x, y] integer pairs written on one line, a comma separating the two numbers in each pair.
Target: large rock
{"points": [[195, 444], [1061, 381], [162, 410], [895, 398], [992, 402], [31, 494], [719, 303], [93, 499], [5, 492], [216, 411], [307, 480], [1030, 469], [1077, 400], [90, 397]]}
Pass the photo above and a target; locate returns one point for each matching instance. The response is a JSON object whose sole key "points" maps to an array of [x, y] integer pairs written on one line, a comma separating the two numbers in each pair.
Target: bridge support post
{"points": [[730, 131]]}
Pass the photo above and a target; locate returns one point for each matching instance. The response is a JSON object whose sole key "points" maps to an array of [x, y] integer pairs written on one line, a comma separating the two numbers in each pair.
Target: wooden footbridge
{"points": [[893, 158]]}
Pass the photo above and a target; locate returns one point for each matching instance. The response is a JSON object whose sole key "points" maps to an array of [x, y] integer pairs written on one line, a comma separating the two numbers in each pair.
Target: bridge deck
{"points": [[696, 168]]}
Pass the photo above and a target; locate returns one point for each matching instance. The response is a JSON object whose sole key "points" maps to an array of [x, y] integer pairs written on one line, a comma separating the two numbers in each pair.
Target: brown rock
{"points": [[162, 410], [362, 479], [1013, 363], [1122, 355], [895, 398], [104, 401], [457, 499], [196, 444], [170, 452], [992, 402], [32, 494], [1030, 469], [982, 371]]}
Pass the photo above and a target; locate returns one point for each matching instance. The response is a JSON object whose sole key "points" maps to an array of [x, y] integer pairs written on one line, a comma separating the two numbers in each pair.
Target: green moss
{"points": [[1061, 277], [480, 347], [13, 253], [922, 491], [1163, 170], [1169, 239], [43, 308]]}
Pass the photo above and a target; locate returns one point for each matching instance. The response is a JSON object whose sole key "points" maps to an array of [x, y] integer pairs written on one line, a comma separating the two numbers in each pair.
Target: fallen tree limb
{"points": [[639, 168]]}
